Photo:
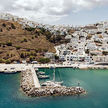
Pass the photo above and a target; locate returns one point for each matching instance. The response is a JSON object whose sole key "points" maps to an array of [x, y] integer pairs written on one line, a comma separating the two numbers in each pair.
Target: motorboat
{"points": [[41, 73], [52, 84], [43, 76]]}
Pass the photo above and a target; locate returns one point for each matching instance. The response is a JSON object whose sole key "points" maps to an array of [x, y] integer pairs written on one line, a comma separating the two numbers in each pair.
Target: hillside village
{"points": [[83, 44], [87, 44]]}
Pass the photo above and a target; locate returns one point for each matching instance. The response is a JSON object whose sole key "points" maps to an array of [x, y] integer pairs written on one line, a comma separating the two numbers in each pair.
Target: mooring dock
{"points": [[35, 78]]}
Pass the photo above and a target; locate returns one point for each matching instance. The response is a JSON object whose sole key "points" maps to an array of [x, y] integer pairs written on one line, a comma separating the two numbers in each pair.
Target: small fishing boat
{"points": [[41, 73], [43, 76]]}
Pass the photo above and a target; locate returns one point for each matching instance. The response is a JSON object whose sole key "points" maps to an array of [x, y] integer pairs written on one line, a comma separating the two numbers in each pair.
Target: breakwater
{"points": [[29, 88]]}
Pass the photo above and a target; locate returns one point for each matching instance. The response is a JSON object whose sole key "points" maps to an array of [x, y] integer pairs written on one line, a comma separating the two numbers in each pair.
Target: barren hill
{"points": [[17, 43]]}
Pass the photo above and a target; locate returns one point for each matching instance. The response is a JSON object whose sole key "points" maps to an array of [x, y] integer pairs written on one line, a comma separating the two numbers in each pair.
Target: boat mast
{"points": [[54, 75], [54, 70]]}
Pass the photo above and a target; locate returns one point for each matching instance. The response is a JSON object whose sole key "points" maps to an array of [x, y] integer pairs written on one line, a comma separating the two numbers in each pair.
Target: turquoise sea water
{"points": [[94, 81]]}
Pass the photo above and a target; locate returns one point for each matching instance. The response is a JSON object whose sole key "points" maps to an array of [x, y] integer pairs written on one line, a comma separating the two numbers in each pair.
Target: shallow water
{"points": [[94, 81]]}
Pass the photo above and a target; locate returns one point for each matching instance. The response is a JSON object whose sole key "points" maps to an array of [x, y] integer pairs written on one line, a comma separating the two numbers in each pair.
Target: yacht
{"points": [[52, 84]]}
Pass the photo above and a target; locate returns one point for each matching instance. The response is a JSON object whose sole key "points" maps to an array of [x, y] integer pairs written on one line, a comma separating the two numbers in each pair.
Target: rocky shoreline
{"points": [[27, 85]]}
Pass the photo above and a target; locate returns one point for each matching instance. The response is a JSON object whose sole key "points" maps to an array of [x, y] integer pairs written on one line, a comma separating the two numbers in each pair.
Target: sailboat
{"points": [[53, 82]]}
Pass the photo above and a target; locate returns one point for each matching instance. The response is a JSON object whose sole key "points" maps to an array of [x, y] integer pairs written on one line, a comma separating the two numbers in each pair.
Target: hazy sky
{"points": [[77, 12]]}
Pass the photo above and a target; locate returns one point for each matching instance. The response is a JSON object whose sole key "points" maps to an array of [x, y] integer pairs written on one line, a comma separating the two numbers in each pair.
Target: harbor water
{"points": [[93, 81]]}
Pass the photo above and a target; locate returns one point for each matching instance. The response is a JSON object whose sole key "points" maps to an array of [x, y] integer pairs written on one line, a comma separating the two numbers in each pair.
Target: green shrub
{"points": [[32, 37], [18, 47], [9, 43], [39, 50], [32, 58], [2, 61], [44, 60], [13, 26], [22, 55], [36, 50], [33, 53], [4, 25], [45, 50], [24, 40], [29, 28], [8, 61], [105, 52]]}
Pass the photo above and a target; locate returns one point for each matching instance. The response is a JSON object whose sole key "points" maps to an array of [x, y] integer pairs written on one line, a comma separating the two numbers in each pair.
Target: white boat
{"points": [[9, 71], [43, 77], [41, 73], [51, 83]]}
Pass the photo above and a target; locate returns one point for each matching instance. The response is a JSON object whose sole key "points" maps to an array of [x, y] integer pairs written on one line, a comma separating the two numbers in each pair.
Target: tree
{"points": [[56, 57], [18, 47], [13, 26], [22, 55], [32, 58]]}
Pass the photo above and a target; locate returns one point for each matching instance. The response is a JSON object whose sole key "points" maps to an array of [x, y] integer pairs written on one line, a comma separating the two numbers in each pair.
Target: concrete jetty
{"points": [[35, 78]]}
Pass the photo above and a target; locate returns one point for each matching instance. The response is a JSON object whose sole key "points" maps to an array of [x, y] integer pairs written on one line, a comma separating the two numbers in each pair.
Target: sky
{"points": [[68, 12]]}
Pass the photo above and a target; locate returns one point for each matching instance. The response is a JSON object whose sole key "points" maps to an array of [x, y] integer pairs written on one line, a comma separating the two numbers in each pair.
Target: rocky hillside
{"points": [[17, 42]]}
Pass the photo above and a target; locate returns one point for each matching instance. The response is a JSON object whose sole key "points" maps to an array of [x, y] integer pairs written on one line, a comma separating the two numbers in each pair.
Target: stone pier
{"points": [[30, 85]]}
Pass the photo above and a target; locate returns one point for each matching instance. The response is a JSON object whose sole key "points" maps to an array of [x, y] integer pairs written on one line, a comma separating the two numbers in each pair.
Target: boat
{"points": [[43, 77], [51, 83], [9, 71], [41, 73]]}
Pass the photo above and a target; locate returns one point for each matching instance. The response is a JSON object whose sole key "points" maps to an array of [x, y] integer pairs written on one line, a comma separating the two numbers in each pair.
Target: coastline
{"points": [[15, 68], [30, 84]]}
